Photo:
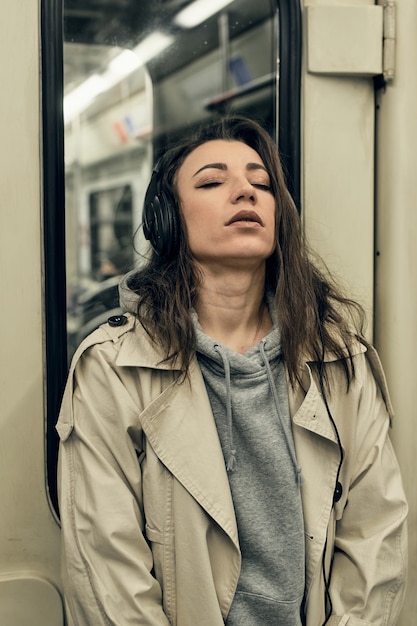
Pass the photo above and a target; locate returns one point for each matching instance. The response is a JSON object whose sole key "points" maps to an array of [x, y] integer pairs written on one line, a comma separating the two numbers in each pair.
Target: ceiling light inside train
{"points": [[152, 45], [80, 97], [121, 66], [130, 60], [199, 11]]}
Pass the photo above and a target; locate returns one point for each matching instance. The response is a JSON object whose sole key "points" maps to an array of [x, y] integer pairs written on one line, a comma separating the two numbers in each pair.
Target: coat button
{"points": [[337, 494], [117, 320]]}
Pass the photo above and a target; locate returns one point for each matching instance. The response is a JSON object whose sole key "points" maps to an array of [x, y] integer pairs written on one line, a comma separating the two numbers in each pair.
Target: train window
{"points": [[136, 76], [135, 79]]}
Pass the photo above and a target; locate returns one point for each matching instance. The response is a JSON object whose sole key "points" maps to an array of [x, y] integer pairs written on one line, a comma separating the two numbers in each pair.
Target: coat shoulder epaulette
{"points": [[115, 327]]}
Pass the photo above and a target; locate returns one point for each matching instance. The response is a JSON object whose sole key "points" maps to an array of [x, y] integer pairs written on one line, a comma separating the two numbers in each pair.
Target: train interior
{"points": [[95, 90]]}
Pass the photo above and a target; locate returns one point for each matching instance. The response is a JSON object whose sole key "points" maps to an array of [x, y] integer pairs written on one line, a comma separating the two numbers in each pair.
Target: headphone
{"points": [[160, 218]]}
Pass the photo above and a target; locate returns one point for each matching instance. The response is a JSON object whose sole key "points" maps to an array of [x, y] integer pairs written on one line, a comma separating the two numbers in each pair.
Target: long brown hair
{"points": [[313, 314]]}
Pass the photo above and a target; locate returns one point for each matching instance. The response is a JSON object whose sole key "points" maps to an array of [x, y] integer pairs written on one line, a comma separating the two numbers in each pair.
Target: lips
{"points": [[245, 216]]}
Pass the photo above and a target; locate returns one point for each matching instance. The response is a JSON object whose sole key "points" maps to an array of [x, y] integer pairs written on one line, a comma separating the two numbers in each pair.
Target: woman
{"points": [[224, 445]]}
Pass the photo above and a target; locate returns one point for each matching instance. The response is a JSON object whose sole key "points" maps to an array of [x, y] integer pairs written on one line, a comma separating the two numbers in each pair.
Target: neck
{"points": [[232, 310]]}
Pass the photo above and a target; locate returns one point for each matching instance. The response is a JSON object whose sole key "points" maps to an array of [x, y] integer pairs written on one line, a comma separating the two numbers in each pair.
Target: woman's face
{"points": [[227, 204]]}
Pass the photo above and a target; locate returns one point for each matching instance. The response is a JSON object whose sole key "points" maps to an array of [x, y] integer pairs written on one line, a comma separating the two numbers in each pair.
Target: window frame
{"points": [[54, 276]]}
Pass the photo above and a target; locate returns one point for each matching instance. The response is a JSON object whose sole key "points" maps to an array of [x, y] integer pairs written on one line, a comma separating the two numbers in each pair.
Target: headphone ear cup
{"points": [[164, 233], [160, 220]]}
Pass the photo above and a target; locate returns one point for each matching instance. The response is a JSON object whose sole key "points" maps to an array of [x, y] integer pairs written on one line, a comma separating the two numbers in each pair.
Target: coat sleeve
{"points": [[106, 561], [370, 558]]}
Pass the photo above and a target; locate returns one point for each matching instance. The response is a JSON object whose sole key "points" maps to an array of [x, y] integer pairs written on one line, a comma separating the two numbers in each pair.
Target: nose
{"points": [[243, 190]]}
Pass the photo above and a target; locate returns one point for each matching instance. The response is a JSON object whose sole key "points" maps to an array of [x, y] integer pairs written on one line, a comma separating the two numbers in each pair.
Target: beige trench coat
{"points": [[149, 533]]}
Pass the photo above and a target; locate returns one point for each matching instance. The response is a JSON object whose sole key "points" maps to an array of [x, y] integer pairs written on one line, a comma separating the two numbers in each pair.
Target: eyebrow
{"points": [[223, 167]]}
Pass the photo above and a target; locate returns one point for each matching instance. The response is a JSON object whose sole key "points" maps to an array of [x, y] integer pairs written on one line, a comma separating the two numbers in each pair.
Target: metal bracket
{"points": [[389, 30], [351, 40]]}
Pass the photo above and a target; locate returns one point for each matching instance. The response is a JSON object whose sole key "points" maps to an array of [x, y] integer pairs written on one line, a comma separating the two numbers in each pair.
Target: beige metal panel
{"points": [[29, 535], [338, 176], [396, 286], [344, 39], [29, 601], [338, 194]]}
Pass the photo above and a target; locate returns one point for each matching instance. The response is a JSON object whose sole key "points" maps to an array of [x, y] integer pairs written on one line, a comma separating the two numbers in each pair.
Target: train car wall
{"points": [[29, 534], [360, 192]]}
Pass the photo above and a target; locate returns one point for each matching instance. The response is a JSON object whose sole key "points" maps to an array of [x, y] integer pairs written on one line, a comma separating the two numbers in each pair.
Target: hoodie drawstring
{"points": [[273, 388], [231, 453]]}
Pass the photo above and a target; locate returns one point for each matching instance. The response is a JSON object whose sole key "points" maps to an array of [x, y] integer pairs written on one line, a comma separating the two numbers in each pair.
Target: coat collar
{"points": [[308, 409], [357, 346], [136, 348]]}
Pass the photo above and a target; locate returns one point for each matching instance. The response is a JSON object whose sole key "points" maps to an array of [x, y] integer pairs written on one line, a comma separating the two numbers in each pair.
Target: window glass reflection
{"points": [[137, 76]]}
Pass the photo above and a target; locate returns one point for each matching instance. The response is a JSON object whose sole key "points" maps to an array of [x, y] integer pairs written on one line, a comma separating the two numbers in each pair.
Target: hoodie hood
{"points": [[128, 299]]}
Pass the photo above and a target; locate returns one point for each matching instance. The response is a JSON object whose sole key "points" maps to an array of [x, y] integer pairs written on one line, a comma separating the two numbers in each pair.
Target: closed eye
{"points": [[217, 183], [261, 186], [208, 185]]}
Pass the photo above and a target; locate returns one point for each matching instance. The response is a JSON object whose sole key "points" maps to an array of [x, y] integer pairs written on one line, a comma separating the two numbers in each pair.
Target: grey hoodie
{"points": [[248, 396]]}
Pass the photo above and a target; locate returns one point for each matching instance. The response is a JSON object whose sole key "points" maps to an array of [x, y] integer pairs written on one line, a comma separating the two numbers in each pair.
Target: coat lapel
{"points": [[180, 427]]}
